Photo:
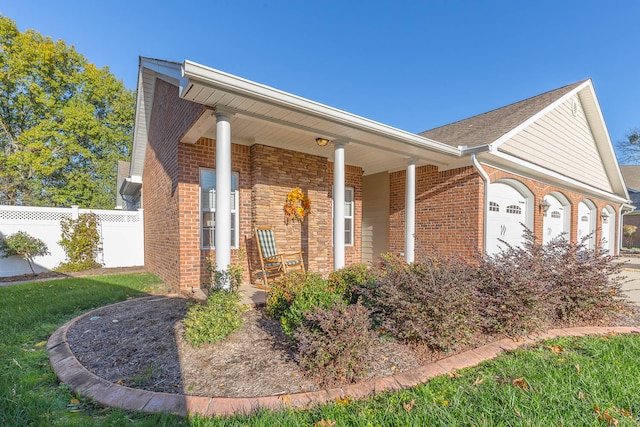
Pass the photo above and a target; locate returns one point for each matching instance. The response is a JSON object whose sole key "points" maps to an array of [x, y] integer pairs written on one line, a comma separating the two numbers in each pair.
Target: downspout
{"points": [[485, 178]]}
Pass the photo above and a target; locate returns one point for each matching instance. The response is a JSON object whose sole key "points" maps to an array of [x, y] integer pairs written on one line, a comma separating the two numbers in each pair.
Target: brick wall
{"points": [[191, 158], [449, 210], [171, 117]]}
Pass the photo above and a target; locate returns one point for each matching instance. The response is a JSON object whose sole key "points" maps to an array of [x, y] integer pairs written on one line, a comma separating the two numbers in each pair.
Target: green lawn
{"points": [[591, 381]]}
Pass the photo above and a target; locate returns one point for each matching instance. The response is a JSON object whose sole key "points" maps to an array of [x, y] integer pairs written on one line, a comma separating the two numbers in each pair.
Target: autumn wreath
{"points": [[297, 206]]}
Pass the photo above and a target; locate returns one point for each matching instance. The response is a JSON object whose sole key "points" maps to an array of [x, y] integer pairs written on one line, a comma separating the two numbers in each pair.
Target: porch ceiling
{"points": [[267, 116]]}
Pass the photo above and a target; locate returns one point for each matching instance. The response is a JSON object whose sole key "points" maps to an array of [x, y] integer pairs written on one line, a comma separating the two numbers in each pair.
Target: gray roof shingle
{"points": [[486, 128]]}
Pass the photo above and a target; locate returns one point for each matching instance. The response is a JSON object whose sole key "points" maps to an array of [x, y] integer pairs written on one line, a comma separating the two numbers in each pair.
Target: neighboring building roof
{"points": [[631, 176], [488, 127]]}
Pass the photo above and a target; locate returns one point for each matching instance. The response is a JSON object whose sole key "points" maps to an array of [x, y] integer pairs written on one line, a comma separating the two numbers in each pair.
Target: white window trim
{"points": [[234, 210], [351, 217]]}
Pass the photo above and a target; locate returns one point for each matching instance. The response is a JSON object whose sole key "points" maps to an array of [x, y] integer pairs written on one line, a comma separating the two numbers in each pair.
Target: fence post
{"points": [[75, 212]]}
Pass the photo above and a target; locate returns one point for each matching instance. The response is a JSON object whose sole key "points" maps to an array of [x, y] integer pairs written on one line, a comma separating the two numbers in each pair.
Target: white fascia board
{"points": [[604, 141], [217, 79], [504, 138], [522, 167]]}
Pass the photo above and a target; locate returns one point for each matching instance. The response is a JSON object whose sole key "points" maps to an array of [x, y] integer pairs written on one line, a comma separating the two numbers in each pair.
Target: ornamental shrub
{"points": [[215, 320], [512, 289], [313, 292], [282, 293], [430, 301], [348, 280], [584, 284], [23, 245], [81, 242], [334, 343]]}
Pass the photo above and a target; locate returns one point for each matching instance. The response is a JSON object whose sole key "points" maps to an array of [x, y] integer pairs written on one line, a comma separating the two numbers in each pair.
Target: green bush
{"points": [[23, 245], [282, 293], [348, 280], [215, 320], [81, 242], [334, 343], [430, 301], [315, 292]]}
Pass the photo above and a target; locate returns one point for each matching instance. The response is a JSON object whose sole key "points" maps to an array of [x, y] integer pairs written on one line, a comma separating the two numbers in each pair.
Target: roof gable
{"points": [[486, 128]]}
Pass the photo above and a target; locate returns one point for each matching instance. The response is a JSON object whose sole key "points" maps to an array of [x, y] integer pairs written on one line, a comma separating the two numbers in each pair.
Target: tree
{"points": [[630, 147], [23, 245], [64, 123]]}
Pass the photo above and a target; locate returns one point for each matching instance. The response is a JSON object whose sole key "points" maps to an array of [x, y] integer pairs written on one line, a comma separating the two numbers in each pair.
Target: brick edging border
{"points": [[71, 372]]}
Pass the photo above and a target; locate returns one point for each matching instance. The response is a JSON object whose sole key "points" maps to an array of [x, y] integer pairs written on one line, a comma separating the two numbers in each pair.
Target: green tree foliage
{"points": [[64, 123], [23, 245]]}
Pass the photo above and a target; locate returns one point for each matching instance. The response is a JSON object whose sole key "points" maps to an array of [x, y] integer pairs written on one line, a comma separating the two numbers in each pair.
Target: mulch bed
{"points": [[140, 343]]}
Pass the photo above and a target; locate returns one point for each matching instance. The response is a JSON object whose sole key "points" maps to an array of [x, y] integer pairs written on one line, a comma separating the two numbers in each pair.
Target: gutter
{"points": [[485, 178]]}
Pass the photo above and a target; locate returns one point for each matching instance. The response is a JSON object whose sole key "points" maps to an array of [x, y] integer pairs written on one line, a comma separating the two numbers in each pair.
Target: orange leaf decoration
{"points": [[297, 206]]}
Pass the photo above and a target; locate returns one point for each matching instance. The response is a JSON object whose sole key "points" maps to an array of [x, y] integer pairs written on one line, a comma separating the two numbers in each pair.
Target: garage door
{"points": [[507, 209], [585, 224], [554, 219]]}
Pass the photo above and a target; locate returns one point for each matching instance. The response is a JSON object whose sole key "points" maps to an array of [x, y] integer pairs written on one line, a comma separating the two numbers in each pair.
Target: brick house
{"points": [[215, 155]]}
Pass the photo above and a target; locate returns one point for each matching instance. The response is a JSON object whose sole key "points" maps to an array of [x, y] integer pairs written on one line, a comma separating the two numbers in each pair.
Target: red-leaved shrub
{"points": [[334, 344]]}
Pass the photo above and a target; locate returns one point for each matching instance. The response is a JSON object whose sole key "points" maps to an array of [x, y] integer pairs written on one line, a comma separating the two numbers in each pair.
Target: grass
{"points": [[590, 381]]}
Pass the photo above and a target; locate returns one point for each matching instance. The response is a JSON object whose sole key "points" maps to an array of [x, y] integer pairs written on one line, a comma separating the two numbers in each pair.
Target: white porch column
{"points": [[223, 191], [410, 213], [338, 206]]}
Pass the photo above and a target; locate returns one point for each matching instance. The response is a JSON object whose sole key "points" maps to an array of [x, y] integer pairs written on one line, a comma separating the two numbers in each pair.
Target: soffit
{"points": [[267, 116]]}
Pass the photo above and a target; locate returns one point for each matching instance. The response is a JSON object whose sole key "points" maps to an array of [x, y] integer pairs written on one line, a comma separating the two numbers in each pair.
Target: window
{"points": [[208, 208], [494, 207], [514, 209], [348, 216]]}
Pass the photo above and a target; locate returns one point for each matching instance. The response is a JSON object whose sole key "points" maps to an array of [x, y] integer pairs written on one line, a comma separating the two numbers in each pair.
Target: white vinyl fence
{"points": [[122, 235]]}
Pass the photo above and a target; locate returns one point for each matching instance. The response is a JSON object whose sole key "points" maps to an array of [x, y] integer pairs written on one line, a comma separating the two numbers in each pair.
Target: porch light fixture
{"points": [[322, 141], [605, 216], [544, 205]]}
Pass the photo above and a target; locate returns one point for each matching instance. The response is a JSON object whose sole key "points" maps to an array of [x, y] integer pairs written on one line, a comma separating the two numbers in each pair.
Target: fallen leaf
{"points": [[578, 368], [343, 401], [580, 395], [606, 417], [409, 405], [74, 401], [324, 423], [453, 374], [521, 383], [40, 344], [518, 414], [625, 413], [555, 349], [478, 381], [286, 399]]}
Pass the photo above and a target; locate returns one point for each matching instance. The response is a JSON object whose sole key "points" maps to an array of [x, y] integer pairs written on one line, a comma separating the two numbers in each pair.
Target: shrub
{"points": [[348, 280], [430, 301], [313, 292], [282, 293], [215, 320], [523, 288], [81, 242], [229, 279], [585, 284], [23, 245], [512, 289], [334, 343]]}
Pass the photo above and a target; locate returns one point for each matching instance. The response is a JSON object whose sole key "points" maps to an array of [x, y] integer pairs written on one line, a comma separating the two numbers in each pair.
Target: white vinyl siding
{"points": [[208, 209], [375, 216], [569, 138]]}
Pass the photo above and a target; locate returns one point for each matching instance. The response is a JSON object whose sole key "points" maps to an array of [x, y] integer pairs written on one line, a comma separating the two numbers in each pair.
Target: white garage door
{"points": [[554, 219], [507, 209], [585, 224]]}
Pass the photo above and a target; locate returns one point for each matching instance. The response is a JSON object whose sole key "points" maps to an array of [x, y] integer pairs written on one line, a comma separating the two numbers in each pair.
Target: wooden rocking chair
{"points": [[274, 264]]}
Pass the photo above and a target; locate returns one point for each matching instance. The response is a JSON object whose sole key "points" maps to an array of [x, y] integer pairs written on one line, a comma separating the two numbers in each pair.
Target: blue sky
{"points": [[414, 65]]}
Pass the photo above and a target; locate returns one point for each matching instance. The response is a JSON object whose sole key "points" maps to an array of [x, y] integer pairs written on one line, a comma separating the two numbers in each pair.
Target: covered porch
{"points": [[341, 160]]}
